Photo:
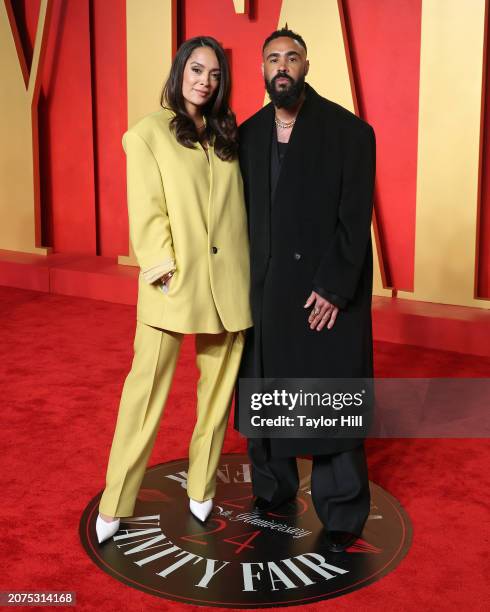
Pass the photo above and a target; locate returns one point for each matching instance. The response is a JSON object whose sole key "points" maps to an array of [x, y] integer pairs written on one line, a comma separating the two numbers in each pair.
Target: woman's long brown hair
{"points": [[221, 128]]}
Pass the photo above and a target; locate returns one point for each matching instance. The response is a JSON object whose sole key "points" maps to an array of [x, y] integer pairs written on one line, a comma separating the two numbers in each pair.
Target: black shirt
{"points": [[278, 152]]}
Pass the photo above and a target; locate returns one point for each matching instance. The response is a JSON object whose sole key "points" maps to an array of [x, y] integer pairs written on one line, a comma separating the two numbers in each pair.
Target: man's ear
{"points": [[307, 67], [262, 68]]}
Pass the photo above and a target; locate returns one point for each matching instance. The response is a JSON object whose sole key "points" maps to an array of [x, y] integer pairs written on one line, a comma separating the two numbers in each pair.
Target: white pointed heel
{"points": [[201, 510], [106, 530]]}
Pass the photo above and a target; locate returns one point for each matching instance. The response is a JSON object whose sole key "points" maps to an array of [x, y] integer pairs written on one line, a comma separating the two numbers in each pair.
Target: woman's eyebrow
{"points": [[194, 62]]}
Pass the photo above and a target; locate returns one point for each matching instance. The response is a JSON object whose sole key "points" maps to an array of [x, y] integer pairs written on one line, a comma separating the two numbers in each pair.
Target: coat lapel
{"points": [[260, 164], [262, 149]]}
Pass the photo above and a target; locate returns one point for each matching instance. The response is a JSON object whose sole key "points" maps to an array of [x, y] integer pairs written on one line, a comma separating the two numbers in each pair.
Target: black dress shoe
{"points": [[338, 541], [263, 505]]}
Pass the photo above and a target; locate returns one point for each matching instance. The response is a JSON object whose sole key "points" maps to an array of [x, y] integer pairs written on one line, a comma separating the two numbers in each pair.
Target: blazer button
{"points": [[297, 256], [214, 250]]}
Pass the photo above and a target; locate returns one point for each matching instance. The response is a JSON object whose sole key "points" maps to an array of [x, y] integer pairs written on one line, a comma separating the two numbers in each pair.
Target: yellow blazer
{"points": [[186, 213]]}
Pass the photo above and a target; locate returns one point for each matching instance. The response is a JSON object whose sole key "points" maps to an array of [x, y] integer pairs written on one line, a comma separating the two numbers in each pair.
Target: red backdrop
{"points": [[83, 114]]}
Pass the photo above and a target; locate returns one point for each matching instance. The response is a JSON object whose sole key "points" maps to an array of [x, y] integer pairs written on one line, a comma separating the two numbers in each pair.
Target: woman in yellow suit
{"points": [[188, 230]]}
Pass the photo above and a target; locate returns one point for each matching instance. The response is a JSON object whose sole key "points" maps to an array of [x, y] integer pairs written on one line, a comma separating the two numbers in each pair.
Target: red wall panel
{"points": [[244, 35], [384, 41], [66, 134], [110, 122]]}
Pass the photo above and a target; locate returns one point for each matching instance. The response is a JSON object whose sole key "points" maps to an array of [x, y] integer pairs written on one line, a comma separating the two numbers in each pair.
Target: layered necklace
{"points": [[285, 125]]}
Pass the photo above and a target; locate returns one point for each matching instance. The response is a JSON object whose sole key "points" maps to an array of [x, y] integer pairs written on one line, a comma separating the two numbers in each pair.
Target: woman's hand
{"points": [[165, 281]]}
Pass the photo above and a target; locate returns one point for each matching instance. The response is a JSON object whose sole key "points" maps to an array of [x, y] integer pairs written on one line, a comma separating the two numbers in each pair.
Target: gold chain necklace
{"points": [[286, 125]]}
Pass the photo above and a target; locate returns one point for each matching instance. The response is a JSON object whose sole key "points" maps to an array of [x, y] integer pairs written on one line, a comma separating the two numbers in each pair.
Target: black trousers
{"points": [[339, 484]]}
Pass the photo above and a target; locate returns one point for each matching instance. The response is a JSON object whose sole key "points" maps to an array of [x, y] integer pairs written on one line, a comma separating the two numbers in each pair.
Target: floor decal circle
{"points": [[240, 558]]}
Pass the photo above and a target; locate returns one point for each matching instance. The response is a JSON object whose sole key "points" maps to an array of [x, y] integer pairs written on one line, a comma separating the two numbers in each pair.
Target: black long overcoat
{"points": [[316, 233]]}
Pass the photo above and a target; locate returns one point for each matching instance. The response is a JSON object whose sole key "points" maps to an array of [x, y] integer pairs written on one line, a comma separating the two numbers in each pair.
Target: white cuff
{"points": [[156, 272]]}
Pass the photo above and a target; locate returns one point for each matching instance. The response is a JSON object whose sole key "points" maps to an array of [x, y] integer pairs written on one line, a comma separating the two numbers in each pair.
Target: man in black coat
{"points": [[308, 168]]}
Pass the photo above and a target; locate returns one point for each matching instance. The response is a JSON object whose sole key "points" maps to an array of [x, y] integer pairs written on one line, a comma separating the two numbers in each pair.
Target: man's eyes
{"points": [[273, 60]]}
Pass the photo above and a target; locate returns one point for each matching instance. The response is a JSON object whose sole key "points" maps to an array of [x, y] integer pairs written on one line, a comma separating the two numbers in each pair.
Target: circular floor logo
{"points": [[240, 558]]}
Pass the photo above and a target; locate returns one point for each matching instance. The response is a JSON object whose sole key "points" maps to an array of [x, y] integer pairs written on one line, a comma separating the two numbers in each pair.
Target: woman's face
{"points": [[201, 78]]}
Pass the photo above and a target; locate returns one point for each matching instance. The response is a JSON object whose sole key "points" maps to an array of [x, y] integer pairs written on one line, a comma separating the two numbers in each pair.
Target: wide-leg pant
{"points": [[339, 484], [141, 407]]}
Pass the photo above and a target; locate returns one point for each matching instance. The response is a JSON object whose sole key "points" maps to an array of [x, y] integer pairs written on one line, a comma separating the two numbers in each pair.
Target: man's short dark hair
{"points": [[284, 32]]}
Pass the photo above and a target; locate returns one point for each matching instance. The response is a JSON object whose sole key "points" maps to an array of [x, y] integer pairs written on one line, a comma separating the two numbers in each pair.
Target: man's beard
{"points": [[288, 96]]}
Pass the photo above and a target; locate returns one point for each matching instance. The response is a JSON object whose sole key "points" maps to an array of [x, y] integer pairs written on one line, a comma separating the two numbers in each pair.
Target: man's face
{"points": [[285, 67]]}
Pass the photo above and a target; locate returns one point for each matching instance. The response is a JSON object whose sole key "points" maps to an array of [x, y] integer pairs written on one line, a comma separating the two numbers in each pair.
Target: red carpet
{"points": [[63, 365]]}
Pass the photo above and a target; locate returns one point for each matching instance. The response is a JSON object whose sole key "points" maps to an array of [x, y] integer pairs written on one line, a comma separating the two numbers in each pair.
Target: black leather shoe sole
{"points": [[339, 541]]}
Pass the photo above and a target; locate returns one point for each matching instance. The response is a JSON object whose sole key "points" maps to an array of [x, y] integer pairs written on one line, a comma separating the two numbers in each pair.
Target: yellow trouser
{"points": [[143, 399]]}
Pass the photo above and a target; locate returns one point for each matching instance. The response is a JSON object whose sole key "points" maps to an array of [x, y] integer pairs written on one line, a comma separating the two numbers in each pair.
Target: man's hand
{"points": [[323, 312]]}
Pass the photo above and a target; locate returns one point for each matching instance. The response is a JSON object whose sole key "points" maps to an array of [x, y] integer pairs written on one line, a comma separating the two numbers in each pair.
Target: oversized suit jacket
{"points": [[186, 213]]}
